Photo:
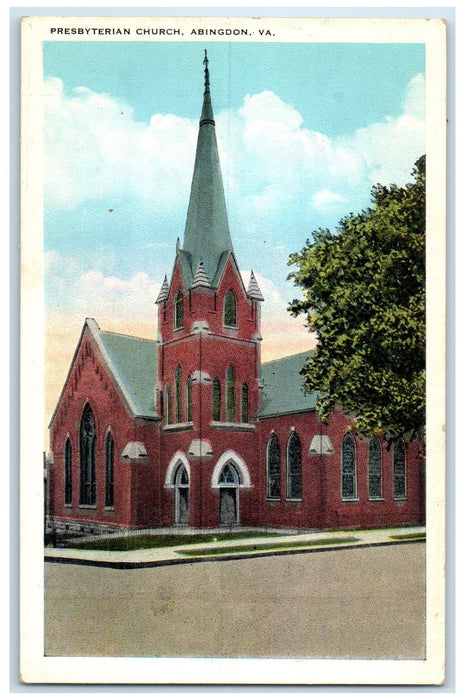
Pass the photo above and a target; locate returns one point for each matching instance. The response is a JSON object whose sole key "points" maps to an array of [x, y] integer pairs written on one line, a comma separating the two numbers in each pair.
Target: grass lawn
{"points": [[262, 547], [147, 541]]}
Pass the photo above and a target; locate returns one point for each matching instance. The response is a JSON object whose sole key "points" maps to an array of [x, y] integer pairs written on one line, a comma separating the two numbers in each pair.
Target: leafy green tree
{"points": [[364, 297]]}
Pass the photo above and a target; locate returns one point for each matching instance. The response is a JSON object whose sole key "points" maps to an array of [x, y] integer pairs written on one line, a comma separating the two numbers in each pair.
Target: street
{"points": [[359, 603]]}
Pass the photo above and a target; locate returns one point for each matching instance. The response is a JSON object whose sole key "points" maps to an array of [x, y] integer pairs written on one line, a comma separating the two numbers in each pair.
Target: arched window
{"points": [[294, 467], [109, 471], [189, 400], [230, 395], [216, 400], [178, 311], [349, 484], [68, 459], [87, 458], [273, 468], [168, 405], [244, 403], [374, 469], [398, 459], [230, 310], [178, 394]]}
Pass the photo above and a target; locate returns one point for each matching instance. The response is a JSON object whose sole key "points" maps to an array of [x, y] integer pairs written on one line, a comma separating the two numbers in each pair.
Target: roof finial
{"points": [[207, 74]]}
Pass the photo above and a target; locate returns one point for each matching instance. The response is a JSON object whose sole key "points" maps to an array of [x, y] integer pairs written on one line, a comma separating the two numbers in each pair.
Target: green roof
{"points": [[282, 387], [133, 362]]}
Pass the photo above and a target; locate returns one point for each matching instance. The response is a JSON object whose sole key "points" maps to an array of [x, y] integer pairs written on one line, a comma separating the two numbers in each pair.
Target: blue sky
{"points": [[304, 131]]}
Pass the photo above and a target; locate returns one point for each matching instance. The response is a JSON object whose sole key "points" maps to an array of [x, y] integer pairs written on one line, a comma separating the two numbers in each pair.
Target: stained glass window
{"points": [[230, 395], [230, 309], [216, 400], [399, 469], [168, 404], [294, 467], [244, 403], [273, 468], [374, 469], [349, 487], [178, 311], [87, 458], [178, 394], [68, 472], [109, 471], [189, 399]]}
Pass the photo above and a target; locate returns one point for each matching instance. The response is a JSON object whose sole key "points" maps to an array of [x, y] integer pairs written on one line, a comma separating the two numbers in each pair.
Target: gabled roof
{"points": [[130, 361], [133, 362], [282, 391]]}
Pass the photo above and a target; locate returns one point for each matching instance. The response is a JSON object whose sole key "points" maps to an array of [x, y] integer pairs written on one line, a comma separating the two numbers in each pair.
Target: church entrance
{"points": [[181, 497], [229, 496]]}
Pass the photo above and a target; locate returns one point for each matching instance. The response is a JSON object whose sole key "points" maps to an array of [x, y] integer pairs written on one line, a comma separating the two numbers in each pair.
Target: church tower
{"points": [[207, 390]]}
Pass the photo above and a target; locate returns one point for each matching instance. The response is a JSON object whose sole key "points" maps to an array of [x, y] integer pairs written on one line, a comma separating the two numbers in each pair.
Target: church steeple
{"points": [[206, 236]]}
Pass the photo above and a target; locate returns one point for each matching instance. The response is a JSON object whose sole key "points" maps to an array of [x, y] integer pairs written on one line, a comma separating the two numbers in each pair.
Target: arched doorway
{"points": [[181, 496], [228, 483]]}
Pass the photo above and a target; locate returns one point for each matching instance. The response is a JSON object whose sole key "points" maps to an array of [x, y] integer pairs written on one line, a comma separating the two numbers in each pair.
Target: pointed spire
{"points": [[253, 290], [200, 279], [206, 236], [164, 292]]}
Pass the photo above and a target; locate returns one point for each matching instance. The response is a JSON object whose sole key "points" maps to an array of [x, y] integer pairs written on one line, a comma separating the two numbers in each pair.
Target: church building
{"points": [[193, 430]]}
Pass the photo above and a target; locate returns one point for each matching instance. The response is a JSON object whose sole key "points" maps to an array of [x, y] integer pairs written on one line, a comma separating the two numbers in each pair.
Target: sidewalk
{"points": [[236, 549]]}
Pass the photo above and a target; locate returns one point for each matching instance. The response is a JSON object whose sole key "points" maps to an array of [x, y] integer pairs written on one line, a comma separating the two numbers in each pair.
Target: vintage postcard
{"points": [[233, 350]]}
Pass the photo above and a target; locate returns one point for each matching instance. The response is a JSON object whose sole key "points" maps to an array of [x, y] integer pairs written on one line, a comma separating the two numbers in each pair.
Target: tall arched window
{"points": [[68, 459], [189, 399], [230, 310], [349, 484], [230, 395], [244, 403], [109, 471], [398, 459], [87, 458], [374, 469], [216, 400], [168, 404], [178, 311], [178, 394], [273, 468], [294, 467]]}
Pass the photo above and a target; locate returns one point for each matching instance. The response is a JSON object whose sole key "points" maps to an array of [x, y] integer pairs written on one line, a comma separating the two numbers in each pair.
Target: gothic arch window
{"points": [[273, 468], [374, 469], [68, 461], [398, 461], [109, 471], [230, 395], [87, 458], [178, 394], [216, 400], [230, 310], [181, 496], [244, 403], [189, 400], [294, 467], [349, 484], [168, 405], [178, 311]]}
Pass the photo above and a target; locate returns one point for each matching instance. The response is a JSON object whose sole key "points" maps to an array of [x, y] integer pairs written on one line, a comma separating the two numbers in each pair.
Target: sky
{"points": [[304, 132]]}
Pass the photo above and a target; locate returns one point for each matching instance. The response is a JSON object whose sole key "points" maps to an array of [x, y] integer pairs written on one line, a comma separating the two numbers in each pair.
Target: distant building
{"points": [[193, 430]]}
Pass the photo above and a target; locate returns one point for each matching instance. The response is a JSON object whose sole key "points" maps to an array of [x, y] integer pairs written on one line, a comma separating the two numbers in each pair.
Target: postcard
{"points": [[233, 350]]}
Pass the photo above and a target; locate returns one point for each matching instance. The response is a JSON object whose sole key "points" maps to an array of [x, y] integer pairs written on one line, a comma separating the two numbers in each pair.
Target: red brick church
{"points": [[193, 430]]}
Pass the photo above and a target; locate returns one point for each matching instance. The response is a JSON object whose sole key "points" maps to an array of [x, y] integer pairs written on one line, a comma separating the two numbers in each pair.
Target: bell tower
{"points": [[207, 388]]}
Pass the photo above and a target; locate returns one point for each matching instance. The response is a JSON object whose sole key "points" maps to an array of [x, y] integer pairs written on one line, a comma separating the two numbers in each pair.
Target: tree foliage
{"points": [[364, 297]]}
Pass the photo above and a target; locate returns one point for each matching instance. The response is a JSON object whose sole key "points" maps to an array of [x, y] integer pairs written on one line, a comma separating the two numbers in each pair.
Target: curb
{"points": [[219, 557]]}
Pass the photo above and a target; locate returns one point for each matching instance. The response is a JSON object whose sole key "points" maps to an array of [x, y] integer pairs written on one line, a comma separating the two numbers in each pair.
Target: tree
{"points": [[364, 297]]}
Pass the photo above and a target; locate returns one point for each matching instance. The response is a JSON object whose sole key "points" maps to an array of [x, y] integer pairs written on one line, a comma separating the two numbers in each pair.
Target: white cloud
{"points": [[325, 199], [70, 289]]}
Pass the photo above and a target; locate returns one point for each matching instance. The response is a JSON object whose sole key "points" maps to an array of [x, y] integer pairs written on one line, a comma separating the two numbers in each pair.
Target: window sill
{"points": [[293, 500], [177, 427], [87, 507], [402, 499], [376, 499], [350, 500], [239, 427], [110, 509], [269, 499]]}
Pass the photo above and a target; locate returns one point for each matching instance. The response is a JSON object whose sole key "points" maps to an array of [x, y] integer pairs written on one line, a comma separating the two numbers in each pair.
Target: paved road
{"points": [[364, 603]]}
